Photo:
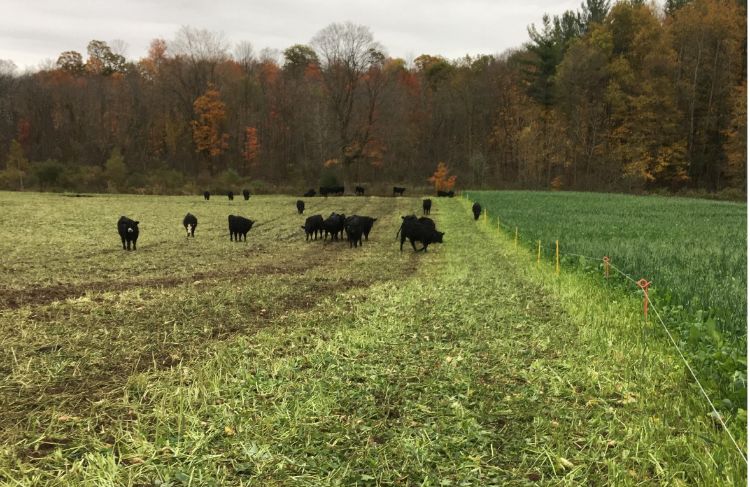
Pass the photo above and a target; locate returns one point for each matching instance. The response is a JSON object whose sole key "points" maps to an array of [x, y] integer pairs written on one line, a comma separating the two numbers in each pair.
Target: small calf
{"points": [[246, 194], [230, 195], [398, 191], [426, 206], [206, 195], [300, 206]]}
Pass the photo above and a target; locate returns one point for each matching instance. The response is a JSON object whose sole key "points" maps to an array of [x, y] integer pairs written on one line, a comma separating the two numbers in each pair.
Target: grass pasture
{"points": [[285, 362], [693, 251]]}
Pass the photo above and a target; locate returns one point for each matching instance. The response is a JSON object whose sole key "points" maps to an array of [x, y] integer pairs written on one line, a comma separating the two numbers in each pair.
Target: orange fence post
{"points": [[606, 267], [644, 284]]}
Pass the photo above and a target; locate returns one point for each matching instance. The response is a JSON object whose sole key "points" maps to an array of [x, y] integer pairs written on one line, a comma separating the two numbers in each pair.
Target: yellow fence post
{"points": [[538, 251], [557, 257]]}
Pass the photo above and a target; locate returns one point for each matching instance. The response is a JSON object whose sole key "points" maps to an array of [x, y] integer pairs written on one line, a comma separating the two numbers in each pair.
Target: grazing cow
{"points": [[246, 194], [421, 230], [334, 225], [359, 191], [230, 195], [426, 206], [206, 195], [476, 208], [323, 190], [449, 194], [310, 193], [300, 206], [190, 222], [128, 230], [353, 229], [398, 191], [238, 227], [313, 226]]}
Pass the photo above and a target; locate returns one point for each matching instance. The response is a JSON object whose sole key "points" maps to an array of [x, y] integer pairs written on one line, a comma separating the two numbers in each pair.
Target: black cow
{"points": [[310, 193], [426, 206], [128, 230], [367, 223], [238, 227], [300, 206], [337, 190], [353, 228], [206, 195], [449, 194], [323, 190], [398, 191], [334, 225], [246, 194], [313, 226], [190, 222], [476, 208], [230, 195], [359, 191], [419, 230]]}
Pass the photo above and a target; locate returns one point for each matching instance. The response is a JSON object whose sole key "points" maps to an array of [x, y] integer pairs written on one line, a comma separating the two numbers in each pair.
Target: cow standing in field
{"points": [[398, 191], [313, 226], [476, 208], [128, 230], [246, 194], [359, 191], [190, 222], [426, 206], [353, 228], [206, 195], [238, 227], [230, 195], [367, 223], [334, 225], [448, 194], [419, 230], [300, 206]]}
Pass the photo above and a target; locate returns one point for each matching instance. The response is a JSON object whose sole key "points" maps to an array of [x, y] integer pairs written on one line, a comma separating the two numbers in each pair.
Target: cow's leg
{"points": [[123, 243], [413, 245], [133, 244], [402, 241]]}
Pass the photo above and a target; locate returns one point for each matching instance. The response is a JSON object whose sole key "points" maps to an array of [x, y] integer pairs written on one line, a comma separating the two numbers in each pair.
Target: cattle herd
{"points": [[337, 225]]}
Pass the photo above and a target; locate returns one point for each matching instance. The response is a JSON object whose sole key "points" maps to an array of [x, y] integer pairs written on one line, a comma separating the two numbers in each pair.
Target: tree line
{"points": [[622, 97]]}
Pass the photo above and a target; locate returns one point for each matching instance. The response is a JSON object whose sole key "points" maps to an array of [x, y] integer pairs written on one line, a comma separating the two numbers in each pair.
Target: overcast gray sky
{"points": [[32, 31]]}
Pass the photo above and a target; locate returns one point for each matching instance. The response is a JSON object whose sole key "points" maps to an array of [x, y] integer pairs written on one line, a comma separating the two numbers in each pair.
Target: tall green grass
{"points": [[693, 252]]}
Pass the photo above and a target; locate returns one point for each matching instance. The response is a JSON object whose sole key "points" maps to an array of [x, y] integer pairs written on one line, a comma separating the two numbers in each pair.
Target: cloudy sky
{"points": [[32, 31]]}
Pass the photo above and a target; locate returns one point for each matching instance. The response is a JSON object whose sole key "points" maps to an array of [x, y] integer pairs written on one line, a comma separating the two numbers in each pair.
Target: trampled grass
{"points": [[281, 362]]}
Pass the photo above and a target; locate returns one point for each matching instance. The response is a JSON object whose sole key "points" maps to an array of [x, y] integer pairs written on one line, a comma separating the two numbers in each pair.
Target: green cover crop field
{"points": [[278, 361], [693, 251]]}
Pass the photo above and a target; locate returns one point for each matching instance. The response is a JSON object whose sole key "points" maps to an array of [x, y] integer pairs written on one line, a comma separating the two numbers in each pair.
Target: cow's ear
{"points": [[137, 223], [441, 233]]}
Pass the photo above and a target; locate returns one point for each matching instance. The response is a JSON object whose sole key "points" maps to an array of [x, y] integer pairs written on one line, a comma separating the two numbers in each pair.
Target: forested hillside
{"points": [[626, 97]]}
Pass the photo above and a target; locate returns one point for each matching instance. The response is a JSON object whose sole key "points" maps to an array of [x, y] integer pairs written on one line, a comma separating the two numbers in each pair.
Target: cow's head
{"points": [[438, 237]]}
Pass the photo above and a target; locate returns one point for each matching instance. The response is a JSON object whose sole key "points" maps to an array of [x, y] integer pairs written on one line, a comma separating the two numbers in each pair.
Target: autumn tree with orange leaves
{"points": [[251, 149], [210, 114], [440, 178]]}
